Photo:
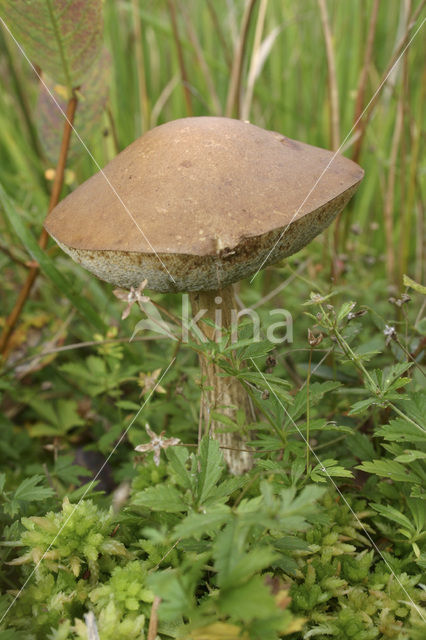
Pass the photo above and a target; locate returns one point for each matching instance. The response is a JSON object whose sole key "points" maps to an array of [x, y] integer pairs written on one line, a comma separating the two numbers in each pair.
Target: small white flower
{"points": [[132, 296], [390, 333], [157, 442], [389, 330]]}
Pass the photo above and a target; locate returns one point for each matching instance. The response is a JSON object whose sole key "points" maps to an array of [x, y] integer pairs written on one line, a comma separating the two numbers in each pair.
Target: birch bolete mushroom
{"points": [[195, 205]]}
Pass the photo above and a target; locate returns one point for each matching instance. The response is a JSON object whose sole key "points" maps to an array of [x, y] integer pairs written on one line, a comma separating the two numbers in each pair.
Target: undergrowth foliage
{"points": [[110, 502]]}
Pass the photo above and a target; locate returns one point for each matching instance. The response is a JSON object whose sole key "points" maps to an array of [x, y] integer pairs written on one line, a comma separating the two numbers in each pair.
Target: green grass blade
{"points": [[46, 264]]}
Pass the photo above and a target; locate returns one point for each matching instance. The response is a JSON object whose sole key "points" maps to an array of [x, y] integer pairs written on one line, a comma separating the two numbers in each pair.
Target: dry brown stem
{"points": [[13, 317]]}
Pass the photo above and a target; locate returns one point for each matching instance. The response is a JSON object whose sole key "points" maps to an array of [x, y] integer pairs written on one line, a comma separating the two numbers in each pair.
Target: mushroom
{"points": [[195, 205]]}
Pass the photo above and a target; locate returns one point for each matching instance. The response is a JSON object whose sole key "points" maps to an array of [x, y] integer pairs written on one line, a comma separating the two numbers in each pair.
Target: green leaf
{"points": [[68, 471], [211, 463], [250, 563], [393, 514], [362, 405], [177, 457], [197, 524], [360, 446], [344, 310], [30, 491], [226, 488], [175, 592], [127, 405], [294, 509], [46, 263], [389, 469], [410, 455], [390, 377], [161, 498], [418, 511], [408, 282], [228, 549], [327, 468], [400, 430], [61, 416], [249, 601], [414, 405], [62, 38]]}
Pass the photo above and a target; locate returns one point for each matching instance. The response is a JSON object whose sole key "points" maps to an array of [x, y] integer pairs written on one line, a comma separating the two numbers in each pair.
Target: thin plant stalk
{"points": [[362, 83], [153, 619], [388, 209], [14, 315], [140, 67], [334, 119], [260, 23], [308, 409], [111, 123], [403, 208], [217, 108], [234, 90], [181, 60], [398, 49], [420, 233], [409, 202], [218, 31], [333, 92], [22, 98], [163, 98]]}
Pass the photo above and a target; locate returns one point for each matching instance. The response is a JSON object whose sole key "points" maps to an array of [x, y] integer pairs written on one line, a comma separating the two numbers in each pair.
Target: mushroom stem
{"points": [[223, 394]]}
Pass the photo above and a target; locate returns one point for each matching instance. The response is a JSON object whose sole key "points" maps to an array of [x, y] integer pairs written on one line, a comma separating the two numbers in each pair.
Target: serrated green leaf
{"points": [[328, 468], [250, 563], [248, 601], [317, 390], [197, 524], [389, 469], [228, 549], [360, 446], [363, 405], [414, 406], [30, 490], [393, 514], [411, 455], [178, 457], [211, 466], [400, 430], [160, 498], [303, 503], [226, 488]]}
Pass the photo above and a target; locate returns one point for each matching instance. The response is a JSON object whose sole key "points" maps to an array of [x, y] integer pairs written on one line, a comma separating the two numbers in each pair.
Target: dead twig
{"points": [[13, 317], [153, 620]]}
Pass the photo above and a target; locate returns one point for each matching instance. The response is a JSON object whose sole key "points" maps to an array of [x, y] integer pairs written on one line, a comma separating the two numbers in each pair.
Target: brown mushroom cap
{"points": [[203, 200]]}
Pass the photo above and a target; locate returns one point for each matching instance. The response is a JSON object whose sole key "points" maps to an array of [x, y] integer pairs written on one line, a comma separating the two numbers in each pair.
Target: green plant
{"points": [[325, 537]]}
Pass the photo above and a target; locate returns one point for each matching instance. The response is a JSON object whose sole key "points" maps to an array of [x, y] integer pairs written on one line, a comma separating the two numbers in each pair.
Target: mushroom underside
{"points": [[174, 272]]}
